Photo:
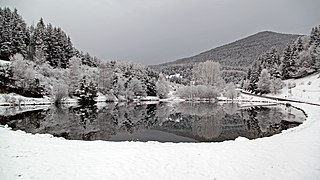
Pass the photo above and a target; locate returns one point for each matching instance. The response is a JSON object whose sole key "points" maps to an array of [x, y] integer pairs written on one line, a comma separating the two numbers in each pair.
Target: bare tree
{"points": [[162, 86], [59, 93], [208, 73], [74, 75], [231, 92]]}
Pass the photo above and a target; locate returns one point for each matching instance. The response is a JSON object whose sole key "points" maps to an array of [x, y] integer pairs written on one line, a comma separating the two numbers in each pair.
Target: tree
{"points": [[106, 76], [162, 87], [230, 91], [74, 75], [6, 76], [246, 84], [264, 82], [254, 78], [87, 92], [276, 85], [135, 89], [59, 93], [288, 62], [208, 73]]}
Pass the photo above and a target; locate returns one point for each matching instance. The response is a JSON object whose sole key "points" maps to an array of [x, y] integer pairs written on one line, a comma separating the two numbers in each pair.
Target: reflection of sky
{"points": [[150, 31]]}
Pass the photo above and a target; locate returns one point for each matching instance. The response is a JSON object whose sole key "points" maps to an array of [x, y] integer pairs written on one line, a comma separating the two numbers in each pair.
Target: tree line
{"points": [[299, 58], [43, 62]]}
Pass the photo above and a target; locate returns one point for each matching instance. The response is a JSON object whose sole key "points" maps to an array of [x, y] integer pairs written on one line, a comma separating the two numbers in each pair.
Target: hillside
{"points": [[241, 52], [235, 57]]}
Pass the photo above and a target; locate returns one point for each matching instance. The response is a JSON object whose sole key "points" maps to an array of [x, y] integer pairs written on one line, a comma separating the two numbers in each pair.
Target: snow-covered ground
{"points": [[13, 98], [293, 154], [306, 89], [3, 62]]}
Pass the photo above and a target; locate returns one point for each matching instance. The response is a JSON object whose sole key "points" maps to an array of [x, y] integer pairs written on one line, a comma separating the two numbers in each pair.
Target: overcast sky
{"points": [[156, 31]]}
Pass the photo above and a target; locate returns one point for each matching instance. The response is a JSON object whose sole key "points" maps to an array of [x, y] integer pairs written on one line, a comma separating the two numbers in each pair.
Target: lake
{"points": [[163, 122]]}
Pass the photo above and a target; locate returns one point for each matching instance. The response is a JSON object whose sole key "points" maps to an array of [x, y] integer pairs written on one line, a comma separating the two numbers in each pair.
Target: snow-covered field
{"points": [[306, 89], [293, 154]]}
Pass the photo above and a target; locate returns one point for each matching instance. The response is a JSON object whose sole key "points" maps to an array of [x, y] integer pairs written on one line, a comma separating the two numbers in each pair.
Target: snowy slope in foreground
{"points": [[293, 154]]}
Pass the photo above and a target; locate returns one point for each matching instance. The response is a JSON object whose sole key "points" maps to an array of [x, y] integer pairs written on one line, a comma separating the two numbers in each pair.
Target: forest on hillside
{"points": [[284, 56], [44, 62]]}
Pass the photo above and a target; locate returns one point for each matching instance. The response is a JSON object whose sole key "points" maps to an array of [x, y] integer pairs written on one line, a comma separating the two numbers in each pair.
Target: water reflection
{"points": [[165, 122]]}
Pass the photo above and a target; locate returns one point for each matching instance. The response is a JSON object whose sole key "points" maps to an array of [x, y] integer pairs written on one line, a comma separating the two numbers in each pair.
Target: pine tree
{"points": [[39, 41], [287, 63], [19, 34], [299, 45], [6, 34], [254, 78], [87, 92], [276, 85]]}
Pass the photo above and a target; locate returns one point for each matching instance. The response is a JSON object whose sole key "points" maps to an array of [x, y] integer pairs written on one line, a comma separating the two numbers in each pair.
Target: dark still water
{"points": [[164, 122]]}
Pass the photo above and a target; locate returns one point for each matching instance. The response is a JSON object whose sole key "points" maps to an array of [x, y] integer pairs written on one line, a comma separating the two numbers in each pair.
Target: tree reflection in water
{"points": [[174, 122]]}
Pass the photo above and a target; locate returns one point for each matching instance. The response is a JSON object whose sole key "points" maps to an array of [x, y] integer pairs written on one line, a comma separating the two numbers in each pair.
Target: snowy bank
{"points": [[305, 89], [293, 154]]}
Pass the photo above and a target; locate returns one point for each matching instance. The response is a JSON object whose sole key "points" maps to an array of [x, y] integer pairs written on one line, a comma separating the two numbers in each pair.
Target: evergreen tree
{"points": [[87, 92], [299, 45], [39, 36], [276, 85], [255, 73], [288, 62]]}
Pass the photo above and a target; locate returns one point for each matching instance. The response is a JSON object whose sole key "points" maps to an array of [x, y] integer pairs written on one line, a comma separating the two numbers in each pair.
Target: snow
{"points": [[3, 62], [307, 89], [46, 100], [24, 100], [293, 154]]}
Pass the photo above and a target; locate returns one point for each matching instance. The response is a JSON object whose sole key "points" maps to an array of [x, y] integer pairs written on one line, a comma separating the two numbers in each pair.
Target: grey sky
{"points": [[155, 31]]}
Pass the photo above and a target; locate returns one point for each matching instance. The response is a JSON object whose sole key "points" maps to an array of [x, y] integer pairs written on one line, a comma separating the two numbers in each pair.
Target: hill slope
{"points": [[238, 55], [241, 52]]}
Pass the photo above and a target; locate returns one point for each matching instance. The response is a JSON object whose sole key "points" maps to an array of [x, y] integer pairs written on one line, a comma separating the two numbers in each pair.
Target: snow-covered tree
{"points": [[246, 84], [230, 91], [59, 93], [254, 78], [106, 76], [75, 75], [199, 91], [208, 73], [135, 89], [87, 92], [264, 82], [23, 73], [6, 76], [276, 85], [288, 62], [163, 87]]}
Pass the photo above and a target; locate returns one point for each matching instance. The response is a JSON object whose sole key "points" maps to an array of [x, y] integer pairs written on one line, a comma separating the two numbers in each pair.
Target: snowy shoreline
{"points": [[292, 154]]}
